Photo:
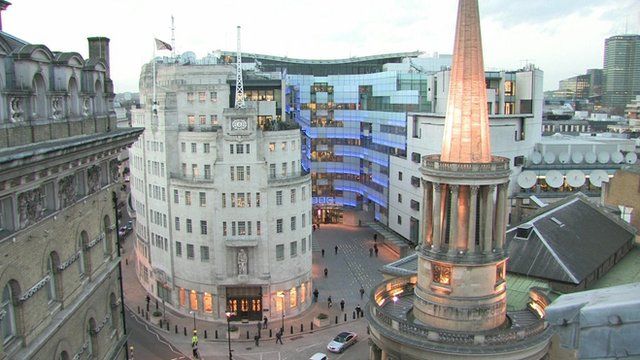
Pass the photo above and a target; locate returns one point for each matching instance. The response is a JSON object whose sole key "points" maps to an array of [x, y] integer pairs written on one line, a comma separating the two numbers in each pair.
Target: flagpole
{"points": [[153, 106]]}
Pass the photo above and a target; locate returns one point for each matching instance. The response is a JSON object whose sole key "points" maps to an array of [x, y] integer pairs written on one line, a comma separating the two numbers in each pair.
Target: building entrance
{"points": [[327, 215], [245, 302]]}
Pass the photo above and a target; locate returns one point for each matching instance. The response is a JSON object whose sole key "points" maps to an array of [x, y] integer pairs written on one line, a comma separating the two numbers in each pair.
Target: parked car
{"points": [[318, 356], [342, 341]]}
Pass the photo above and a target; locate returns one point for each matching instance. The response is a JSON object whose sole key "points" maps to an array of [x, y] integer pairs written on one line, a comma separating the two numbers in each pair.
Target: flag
{"points": [[161, 45]]}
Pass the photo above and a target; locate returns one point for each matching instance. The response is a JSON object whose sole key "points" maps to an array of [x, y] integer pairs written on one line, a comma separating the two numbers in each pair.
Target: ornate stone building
{"points": [[455, 307], [60, 267], [223, 206]]}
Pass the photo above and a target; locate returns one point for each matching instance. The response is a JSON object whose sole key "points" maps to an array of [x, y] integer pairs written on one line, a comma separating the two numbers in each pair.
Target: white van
{"points": [[318, 356]]}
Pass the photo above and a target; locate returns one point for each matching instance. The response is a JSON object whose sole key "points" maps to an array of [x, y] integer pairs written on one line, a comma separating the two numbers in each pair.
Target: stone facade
{"points": [[623, 193], [61, 296], [223, 207]]}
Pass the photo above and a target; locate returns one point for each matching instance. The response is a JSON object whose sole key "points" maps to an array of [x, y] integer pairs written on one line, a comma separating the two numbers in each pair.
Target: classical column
{"points": [[427, 218], [473, 207], [436, 237], [488, 220], [501, 215], [453, 218]]}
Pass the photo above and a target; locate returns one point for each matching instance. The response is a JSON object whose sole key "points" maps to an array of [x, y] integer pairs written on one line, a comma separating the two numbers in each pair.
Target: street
{"points": [[147, 344]]}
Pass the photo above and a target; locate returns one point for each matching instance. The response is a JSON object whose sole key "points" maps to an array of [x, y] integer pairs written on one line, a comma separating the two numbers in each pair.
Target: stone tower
{"points": [[461, 267]]}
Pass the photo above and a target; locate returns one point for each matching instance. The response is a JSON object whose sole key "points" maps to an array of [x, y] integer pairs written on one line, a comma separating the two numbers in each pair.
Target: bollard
{"points": [[156, 304], [336, 319], [269, 332], [176, 329], [312, 326], [161, 323], [126, 261], [147, 315], [138, 309], [205, 333], [368, 332], [184, 330], [345, 317], [354, 315], [167, 325], [247, 334], [301, 327], [142, 313]]}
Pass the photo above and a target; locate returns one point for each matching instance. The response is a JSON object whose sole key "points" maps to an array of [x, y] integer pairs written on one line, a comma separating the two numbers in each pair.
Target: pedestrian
{"points": [[370, 252], [336, 249], [326, 272], [342, 305], [148, 299], [194, 349], [315, 295], [279, 337], [322, 252], [318, 226], [264, 326], [375, 249], [375, 238], [259, 327], [257, 340], [358, 310], [329, 301], [194, 339], [361, 292]]}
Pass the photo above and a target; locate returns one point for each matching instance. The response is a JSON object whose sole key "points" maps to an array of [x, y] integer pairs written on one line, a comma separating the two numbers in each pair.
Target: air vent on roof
{"points": [[558, 222], [524, 231]]}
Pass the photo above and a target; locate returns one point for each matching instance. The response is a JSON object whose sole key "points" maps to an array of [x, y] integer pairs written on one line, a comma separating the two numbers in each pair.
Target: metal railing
{"points": [[189, 177], [497, 163]]}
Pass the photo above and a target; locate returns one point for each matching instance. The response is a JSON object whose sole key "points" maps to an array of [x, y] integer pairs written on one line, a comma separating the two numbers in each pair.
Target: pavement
{"points": [[348, 270]]}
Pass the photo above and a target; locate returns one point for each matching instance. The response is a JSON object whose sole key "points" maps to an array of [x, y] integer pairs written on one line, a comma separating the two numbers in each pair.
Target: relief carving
{"points": [[30, 207], [93, 176], [17, 113], [67, 190], [113, 170], [56, 107]]}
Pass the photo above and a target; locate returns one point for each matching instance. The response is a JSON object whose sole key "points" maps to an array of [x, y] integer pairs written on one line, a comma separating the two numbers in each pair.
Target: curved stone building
{"points": [[223, 206], [455, 307]]}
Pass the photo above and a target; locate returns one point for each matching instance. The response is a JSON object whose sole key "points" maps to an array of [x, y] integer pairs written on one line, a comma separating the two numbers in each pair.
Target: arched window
{"points": [[74, 99], [93, 343], [84, 263], [99, 100], [113, 306], [8, 309], [64, 355], [40, 98], [108, 238], [52, 270]]}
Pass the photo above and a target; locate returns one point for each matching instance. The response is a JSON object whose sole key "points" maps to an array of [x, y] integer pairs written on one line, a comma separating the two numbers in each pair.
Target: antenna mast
{"points": [[239, 85], [173, 38]]}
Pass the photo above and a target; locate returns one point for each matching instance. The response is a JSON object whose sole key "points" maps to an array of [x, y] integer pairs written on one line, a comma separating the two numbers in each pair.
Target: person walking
{"points": [[375, 249], [257, 340], [375, 238], [315, 295], [259, 328], [329, 302], [326, 272], [194, 344], [336, 249], [342, 305], [370, 252], [279, 337], [361, 292], [322, 252], [194, 350], [358, 311], [265, 320]]}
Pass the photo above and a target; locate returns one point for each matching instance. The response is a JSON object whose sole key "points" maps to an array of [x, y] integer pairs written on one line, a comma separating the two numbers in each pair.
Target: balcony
{"points": [[194, 178], [289, 177], [498, 167], [199, 128]]}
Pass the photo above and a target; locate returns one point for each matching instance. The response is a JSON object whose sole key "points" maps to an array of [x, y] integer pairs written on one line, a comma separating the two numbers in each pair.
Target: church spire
{"points": [[466, 136]]}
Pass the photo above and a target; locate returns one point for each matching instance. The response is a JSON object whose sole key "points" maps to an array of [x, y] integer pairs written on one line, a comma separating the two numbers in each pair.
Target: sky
{"points": [[561, 37]]}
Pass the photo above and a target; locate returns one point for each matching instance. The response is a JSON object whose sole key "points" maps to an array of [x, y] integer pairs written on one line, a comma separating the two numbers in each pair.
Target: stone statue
{"points": [[67, 190], [93, 176], [30, 206], [242, 262], [113, 169]]}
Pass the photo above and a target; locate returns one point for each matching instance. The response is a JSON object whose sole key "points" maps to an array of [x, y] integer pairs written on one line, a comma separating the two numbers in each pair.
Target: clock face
{"points": [[239, 124]]}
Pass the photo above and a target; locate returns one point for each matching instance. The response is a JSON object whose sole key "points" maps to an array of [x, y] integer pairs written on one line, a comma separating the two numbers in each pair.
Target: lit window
{"points": [[441, 274], [183, 297], [207, 301], [214, 119], [191, 120], [293, 297], [202, 96], [283, 146], [500, 273], [193, 300], [272, 147], [303, 292]]}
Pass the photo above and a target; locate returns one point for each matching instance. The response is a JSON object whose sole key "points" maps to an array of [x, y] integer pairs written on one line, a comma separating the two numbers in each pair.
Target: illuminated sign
{"points": [[323, 200]]}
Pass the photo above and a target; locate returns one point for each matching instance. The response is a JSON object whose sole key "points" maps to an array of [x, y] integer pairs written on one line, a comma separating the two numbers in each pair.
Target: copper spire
{"points": [[466, 137]]}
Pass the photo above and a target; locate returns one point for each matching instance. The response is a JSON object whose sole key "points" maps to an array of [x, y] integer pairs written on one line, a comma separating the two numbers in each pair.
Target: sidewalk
{"points": [[350, 269]]}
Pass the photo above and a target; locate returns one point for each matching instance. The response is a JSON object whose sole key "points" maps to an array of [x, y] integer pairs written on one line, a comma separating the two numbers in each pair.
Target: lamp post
{"points": [[194, 319], [281, 296], [229, 315]]}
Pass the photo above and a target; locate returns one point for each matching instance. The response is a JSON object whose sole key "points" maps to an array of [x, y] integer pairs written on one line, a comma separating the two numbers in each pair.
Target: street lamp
{"points": [[229, 315], [194, 319], [280, 294]]}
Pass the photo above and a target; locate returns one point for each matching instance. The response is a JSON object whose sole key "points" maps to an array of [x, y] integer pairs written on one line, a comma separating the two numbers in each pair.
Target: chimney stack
{"points": [[99, 49], [3, 6]]}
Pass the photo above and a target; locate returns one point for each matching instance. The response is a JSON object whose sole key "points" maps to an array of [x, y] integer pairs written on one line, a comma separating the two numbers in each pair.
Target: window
{"points": [[293, 297], [6, 214], [232, 173], [233, 228], [193, 300], [213, 95], [183, 147], [303, 245], [284, 169], [214, 119], [248, 173], [415, 205], [293, 248], [224, 228], [203, 227], [242, 228], [203, 199], [400, 175], [206, 148], [207, 172], [415, 157], [177, 223], [224, 200], [51, 271], [441, 274], [272, 171], [189, 226], [194, 170], [178, 249], [399, 220], [240, 173], [508, 88], [207, 302], [293, 196], [183, 297], [399, 198], [202, 96], [303, 221], [187, 197], [415, 181], [272, 147], [499, 273], [247, 148], [258, 199], [189, 96], [279, 252], [231, 147], [204, 253], [293, 223], [190, 251], [203, 119], [9, 320], [279, 226], [233, 199], [191, 120], [283, 146], [279, 197], [258, 229], [184, 169], [239, 148]]}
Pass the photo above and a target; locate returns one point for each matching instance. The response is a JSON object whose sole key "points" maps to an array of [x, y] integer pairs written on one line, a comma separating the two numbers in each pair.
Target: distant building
{"points": [[621, 71], [59, 179], [623, 194]]}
